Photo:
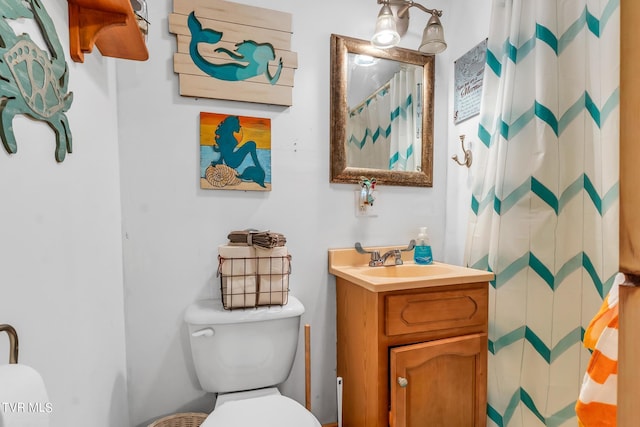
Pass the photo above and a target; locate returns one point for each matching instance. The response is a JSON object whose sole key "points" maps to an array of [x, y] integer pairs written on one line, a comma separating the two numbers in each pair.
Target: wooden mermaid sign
{"points": [[233, 51], [249, 59], [235, 152]]}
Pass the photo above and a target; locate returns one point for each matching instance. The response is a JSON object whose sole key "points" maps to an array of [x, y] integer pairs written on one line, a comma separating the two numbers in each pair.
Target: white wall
{"points": [[61, 252], [172, 228], [469, 25], [62, 237]]}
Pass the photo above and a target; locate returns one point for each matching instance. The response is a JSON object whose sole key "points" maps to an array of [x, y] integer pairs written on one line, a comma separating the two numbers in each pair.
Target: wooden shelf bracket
{"points": [[110, 25]]}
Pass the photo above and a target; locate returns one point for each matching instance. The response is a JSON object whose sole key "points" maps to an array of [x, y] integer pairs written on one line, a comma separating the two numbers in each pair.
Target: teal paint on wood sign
{"points": [[233, 51], [32, 81], [249, 59]]}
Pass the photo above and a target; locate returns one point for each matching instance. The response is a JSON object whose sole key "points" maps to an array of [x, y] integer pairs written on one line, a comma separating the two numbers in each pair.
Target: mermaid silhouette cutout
{"points": [[226, 144], [251, 58]]}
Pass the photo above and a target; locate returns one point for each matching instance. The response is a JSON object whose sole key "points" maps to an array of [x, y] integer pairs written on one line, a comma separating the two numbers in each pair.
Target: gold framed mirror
{"points": [[365, 83]]}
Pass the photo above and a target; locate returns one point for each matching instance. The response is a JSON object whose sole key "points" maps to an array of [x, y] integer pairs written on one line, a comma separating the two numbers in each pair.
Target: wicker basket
{"points": [[186, 419]]}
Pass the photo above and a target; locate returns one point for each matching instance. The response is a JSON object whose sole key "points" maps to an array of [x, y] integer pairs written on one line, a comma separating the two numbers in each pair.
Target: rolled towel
{"points": [[237, 260], [267, 239], [273, 261], [240, 237], [274, 289], [239, 291], [253, 237]]}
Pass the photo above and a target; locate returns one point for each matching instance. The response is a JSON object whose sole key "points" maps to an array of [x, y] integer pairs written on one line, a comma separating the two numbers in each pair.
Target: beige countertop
{"points": [[354, 267]]}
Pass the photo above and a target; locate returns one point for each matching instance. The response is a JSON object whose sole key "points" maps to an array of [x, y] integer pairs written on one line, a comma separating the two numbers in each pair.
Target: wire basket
{"points": [[252, 282], [185, 419]]}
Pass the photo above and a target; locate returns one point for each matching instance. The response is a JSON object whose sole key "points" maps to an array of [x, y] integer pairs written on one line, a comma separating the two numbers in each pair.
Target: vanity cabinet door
{"points": [[440, 383]]}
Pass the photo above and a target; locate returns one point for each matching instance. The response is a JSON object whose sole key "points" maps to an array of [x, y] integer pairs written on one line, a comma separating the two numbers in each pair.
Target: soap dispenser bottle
{"points": [[422, 252]]}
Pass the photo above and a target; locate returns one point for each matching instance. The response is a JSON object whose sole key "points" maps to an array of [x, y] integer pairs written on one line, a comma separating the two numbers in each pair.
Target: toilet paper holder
{"points": [[13, 342]]}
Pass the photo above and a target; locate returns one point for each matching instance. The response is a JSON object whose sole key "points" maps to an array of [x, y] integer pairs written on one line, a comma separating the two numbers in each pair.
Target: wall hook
{"points": [[468, 158]]}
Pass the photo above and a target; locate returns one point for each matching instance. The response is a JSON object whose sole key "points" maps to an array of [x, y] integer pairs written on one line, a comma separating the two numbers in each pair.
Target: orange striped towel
{"points": [[597, 404]]}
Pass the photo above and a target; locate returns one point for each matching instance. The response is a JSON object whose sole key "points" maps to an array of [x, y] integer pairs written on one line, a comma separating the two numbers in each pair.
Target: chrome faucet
{"points": [[379, 261], [397, 254]]}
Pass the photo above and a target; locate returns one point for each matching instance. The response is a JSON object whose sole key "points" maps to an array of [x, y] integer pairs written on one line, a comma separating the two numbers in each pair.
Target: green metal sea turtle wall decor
{"points": [[32, 81]]}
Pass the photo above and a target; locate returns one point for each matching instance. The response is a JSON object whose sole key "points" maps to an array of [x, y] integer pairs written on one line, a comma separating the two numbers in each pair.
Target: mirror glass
{"points": [[381, 114]]}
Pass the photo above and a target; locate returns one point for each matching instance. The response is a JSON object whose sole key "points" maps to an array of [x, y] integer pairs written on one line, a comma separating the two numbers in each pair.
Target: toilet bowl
{"points": [[263, 408], [243, 355]]}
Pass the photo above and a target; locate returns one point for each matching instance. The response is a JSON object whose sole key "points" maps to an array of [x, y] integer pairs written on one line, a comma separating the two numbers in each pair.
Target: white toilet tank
{"points": [[243, 349]]}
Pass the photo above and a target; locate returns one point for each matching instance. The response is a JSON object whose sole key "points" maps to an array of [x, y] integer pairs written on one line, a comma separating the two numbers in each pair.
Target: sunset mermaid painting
{"points": [[235, 152]]}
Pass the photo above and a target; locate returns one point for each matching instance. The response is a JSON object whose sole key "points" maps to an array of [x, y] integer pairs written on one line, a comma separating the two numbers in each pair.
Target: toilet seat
{"points": [[273, 410]]}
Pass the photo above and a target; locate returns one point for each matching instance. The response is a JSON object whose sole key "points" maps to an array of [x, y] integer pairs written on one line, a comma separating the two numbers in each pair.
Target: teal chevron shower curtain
{"points": [[406, 130], [385, 131], [368, 128], [545, 199]]}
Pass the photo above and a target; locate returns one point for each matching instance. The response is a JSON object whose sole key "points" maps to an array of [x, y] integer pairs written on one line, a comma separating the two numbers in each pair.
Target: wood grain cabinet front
{"points": [[439, 383], [413, 357]]}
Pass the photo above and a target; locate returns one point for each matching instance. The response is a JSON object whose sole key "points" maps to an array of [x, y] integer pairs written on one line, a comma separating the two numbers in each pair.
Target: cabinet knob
{"points": [[402, 382]]}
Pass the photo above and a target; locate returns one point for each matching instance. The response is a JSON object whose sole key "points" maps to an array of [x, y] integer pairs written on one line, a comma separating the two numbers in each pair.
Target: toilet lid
{"points": [[266, 411]]}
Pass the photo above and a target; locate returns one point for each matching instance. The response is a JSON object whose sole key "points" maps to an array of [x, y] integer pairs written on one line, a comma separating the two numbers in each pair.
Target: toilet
{"points": [[243, 355]]}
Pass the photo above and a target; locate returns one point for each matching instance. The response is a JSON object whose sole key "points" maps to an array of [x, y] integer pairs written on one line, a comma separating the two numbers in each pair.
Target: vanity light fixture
{"points": [[386, 34], [390, 28]]}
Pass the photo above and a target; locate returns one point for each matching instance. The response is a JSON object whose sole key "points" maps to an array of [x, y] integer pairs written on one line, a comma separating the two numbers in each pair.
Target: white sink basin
{"points": [[350, 265], [407, 270]]}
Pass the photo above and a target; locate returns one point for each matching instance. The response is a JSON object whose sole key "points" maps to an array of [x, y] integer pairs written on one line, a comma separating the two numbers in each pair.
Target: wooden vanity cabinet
{"points": [[413, 357]]}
